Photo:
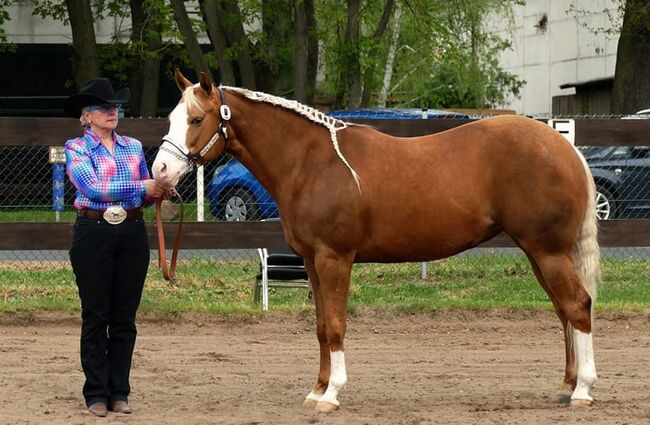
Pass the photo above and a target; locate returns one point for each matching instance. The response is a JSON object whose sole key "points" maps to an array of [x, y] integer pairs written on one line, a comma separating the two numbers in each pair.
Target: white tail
{"points": [[586, 252], [586, 260]]}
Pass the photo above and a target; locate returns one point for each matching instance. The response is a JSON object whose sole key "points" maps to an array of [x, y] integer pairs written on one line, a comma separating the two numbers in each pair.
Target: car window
{"points": [[621, 152]]}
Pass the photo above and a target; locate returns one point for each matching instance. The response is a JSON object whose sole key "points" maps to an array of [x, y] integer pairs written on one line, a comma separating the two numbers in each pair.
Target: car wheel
{"points": [[605, 204], [239, 205]]}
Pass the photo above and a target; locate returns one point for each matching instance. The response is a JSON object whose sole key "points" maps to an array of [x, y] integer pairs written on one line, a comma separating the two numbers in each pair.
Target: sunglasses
{"points": [[105, 108]]}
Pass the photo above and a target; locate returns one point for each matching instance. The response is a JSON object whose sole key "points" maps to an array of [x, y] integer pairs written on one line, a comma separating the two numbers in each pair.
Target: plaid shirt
{"points": [[103, 179]]}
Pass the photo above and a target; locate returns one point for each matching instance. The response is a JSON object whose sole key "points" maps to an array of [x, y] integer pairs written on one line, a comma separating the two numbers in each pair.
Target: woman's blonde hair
{"points": [[82, 119]]}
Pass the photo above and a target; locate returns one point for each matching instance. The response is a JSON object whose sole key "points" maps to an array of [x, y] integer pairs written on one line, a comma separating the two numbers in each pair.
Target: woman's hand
{"points": [[154, 189], [169, 193]]}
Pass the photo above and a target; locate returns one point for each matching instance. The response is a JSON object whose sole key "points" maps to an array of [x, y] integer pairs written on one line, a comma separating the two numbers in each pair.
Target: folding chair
{"points": [[280, 269]]}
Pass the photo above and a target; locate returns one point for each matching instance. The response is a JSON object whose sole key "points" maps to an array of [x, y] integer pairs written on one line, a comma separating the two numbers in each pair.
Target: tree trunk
{"points": [[369, 83], [189, 38], [217, 35], [352, 70], [312, 50], [390, 60], [277, 67], [300, 52], [84, 45], [631, 91], [145, 71], [237, 37]]}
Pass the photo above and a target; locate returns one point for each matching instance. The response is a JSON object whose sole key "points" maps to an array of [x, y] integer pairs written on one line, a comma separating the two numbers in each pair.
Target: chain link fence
{"points": [[226, 191]]}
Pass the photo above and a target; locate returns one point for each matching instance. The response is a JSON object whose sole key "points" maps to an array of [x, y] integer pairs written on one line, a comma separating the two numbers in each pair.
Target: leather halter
{"points": [[193, 159]]}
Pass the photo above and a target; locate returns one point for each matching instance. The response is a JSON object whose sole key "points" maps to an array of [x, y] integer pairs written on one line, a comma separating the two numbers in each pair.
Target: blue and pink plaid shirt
{"points": [[103, 179]]}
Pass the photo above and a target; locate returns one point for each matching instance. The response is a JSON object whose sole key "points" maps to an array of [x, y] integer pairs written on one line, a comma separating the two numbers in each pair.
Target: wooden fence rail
{"points": [[56, 236], [256, 234], [55, 131]]}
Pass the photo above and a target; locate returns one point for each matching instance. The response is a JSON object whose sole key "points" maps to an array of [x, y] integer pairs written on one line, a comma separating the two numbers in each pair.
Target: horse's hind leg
{"points": [[563, 394], [324, 370], [573, 300]]}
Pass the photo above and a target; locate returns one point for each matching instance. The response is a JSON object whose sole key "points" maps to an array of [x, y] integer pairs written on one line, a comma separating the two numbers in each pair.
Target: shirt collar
{"points": [[95, 139]]}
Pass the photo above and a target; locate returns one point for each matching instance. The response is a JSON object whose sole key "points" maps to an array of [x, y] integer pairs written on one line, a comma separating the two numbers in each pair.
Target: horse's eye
{"points": [[196, 120]]}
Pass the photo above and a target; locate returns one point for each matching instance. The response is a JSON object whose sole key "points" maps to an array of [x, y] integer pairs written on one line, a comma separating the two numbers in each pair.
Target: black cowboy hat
{"points": [[95, 92]]}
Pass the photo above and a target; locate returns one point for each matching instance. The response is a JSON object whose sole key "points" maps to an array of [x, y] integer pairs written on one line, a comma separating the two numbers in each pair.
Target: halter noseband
{"points": [[224, 112]]}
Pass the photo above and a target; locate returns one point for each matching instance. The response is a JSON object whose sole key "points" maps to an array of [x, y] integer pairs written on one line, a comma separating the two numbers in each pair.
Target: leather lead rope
{"points": [[169, 275]]}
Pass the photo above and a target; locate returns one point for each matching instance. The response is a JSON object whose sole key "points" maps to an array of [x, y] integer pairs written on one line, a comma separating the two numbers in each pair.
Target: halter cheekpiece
{"points": [[225, 113]]}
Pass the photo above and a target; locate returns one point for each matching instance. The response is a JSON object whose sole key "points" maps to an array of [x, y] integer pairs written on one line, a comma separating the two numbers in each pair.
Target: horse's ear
{"points": [[206, 82], [181, 81]]}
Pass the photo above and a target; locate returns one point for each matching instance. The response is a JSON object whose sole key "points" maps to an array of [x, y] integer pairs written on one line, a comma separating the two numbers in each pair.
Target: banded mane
{"points": [[314, 115]]}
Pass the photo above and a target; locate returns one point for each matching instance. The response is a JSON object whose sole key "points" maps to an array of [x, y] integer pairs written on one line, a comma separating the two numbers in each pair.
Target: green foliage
{"points": [[456, 64], [116, 59], [54, 9], [445, 56], [460, 80], [615, 10], [4, 17]]}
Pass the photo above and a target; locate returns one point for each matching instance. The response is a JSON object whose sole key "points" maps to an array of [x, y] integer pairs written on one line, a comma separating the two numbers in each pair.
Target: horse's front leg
{"points": [[324, 371], [334, 278]]}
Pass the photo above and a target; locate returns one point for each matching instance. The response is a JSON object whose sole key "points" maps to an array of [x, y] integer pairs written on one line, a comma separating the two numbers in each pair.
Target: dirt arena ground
{"points": [[442, 368]]}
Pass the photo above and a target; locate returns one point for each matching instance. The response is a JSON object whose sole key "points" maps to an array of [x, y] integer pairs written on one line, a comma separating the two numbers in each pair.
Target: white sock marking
{"points": [[584, 350], [338, 378]]}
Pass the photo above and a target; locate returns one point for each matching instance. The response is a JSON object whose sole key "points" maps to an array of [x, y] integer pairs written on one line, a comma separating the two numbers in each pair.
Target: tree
{"points": [[631, 91], [188, 36], [146, 45], [437, 54], [448, 58], [4, 17], [370, 80], [213, 13], [84, 46]]}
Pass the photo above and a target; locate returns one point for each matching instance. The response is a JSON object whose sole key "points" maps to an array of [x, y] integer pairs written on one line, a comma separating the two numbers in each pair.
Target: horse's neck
{"points": [[274, 143]]}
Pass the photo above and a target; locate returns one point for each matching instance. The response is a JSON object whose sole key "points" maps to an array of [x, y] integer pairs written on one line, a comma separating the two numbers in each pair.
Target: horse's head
{"points": [[198, 130]]}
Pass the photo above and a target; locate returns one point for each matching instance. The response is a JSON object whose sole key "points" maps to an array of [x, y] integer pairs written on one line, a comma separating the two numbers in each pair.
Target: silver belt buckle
{"points": [[115, 214]]}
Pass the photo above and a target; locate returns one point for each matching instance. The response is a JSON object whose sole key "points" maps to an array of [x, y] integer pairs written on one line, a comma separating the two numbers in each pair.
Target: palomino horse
{"points": [[337, 186]]}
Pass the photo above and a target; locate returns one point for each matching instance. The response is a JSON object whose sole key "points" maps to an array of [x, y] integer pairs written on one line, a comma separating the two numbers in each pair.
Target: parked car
{"points": [[235, 195], [622, 176]]}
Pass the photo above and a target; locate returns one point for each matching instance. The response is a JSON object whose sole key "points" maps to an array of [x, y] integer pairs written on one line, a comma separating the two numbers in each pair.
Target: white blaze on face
{"points": [[168, 168]]}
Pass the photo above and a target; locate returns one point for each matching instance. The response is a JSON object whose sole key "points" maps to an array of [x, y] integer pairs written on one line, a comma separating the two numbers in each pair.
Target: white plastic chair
{"points": [[280, 270]]}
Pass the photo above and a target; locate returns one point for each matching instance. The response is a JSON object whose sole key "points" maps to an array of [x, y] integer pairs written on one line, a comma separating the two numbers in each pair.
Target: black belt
{"points": [[135, 214]]}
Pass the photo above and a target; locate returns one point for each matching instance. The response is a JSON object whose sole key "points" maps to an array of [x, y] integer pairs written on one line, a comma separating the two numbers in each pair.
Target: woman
{"points": [[110, 251]]}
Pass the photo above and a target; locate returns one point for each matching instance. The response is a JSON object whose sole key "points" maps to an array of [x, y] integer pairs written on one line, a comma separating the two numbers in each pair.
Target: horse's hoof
{"points": [[562, 398], [325, 407], [309, 403], [581, 403]]}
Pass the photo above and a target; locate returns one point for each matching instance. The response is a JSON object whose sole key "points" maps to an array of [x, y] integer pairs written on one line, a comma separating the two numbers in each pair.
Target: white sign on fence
{"points": [[57, 155], [566, 127]]}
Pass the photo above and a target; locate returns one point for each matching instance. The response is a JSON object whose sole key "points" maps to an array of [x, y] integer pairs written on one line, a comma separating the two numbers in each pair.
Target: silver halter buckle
{"points": [[115, 214]]}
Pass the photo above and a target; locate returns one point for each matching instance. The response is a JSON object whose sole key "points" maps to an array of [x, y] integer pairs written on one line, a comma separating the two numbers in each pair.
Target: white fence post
{"points": [[200, 202]]}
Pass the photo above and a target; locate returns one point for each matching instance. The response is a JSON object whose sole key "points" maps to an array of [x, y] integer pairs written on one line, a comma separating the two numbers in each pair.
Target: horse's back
{"points": [[440, 194]]}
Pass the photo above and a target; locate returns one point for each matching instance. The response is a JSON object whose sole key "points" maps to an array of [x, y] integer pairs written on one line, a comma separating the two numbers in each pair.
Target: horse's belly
{"points": [[438, 241]]}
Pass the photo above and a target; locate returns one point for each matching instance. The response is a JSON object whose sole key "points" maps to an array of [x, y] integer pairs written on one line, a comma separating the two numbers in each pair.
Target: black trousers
{"points": [[110, 265]]}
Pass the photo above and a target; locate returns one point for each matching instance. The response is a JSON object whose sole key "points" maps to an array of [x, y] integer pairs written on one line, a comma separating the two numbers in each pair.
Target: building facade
{"points": [[565, 50]]}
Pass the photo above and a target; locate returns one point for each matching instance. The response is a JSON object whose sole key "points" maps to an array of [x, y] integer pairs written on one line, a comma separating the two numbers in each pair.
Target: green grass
{"points": [[38, 214], [225, 287]]}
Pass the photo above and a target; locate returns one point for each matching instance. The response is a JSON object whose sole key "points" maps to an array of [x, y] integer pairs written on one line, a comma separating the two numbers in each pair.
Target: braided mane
{"points": [[332, 124]]}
